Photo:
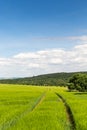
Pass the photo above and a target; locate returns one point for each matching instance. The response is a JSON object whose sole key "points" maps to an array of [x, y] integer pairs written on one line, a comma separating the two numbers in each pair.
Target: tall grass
{"points": [[48, 115], [25, 107], [78, 104]]}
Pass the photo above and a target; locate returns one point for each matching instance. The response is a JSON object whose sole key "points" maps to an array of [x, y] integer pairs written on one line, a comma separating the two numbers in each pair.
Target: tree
{"points": [[78, 82]]}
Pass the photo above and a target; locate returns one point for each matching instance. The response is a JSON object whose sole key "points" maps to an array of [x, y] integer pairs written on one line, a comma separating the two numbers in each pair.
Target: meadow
{"points": [[24, 107]]}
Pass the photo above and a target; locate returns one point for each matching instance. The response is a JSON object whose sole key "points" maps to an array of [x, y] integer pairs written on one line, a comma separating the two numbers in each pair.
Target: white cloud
{"points": [[82, 39], [26, 55], [45, 61]]}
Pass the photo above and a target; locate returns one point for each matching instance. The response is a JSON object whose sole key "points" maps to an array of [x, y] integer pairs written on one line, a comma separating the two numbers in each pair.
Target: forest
{"points": [[53, 79]]}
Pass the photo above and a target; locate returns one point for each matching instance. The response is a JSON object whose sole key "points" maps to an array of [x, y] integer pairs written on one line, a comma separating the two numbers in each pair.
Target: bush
{"points": [[71, 86]]}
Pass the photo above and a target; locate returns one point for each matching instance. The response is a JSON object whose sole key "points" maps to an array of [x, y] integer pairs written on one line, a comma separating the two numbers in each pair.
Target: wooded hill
{"points": [[54, 79]]}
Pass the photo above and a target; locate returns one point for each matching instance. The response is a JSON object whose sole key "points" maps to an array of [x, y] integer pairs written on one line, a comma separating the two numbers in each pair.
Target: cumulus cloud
{"points": [[45, 61]]}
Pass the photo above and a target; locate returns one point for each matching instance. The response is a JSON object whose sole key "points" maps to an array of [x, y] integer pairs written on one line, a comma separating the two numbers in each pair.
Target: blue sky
{"points": [[29, 26]]}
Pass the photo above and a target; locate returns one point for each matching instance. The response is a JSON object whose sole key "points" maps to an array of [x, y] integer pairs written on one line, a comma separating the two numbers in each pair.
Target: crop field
{"points": [[24, 107]]}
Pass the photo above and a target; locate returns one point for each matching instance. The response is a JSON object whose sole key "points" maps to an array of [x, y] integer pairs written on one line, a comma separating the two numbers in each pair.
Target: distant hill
{"points": [[54, 79]]}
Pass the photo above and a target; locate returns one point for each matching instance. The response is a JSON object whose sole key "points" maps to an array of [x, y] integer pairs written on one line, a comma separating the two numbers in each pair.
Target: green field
{"points": [[25, 107]]}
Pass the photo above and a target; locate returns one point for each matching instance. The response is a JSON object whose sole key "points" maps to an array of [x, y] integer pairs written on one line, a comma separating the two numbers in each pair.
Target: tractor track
{"points": [[13, 121], [68, 112]]}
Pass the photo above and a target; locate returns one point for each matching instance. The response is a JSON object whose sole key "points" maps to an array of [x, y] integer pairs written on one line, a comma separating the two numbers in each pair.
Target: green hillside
{"points": [[54, 79]]}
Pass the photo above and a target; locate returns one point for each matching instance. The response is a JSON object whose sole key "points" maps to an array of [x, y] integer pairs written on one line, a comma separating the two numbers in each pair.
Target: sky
{"points": [[42, 36]]}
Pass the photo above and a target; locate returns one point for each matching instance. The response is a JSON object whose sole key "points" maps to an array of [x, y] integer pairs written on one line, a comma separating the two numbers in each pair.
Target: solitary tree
{"points": [[78, 82]]}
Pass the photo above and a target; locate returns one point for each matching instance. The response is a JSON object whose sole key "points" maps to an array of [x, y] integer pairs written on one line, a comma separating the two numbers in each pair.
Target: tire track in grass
{"points": [[69, 112], [13, 121]]}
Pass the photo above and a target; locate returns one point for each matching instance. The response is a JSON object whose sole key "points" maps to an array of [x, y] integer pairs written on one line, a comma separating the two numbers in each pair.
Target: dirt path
{"points": [[68, 112], [15, 119]]}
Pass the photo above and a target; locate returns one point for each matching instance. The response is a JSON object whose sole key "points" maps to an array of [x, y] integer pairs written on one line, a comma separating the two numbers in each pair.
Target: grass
{"points": [[48, 115], [78, 104], [25, 107]]}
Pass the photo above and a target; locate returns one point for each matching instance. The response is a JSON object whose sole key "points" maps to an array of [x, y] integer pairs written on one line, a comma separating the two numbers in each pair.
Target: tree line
{"points": [[74, 81]]}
